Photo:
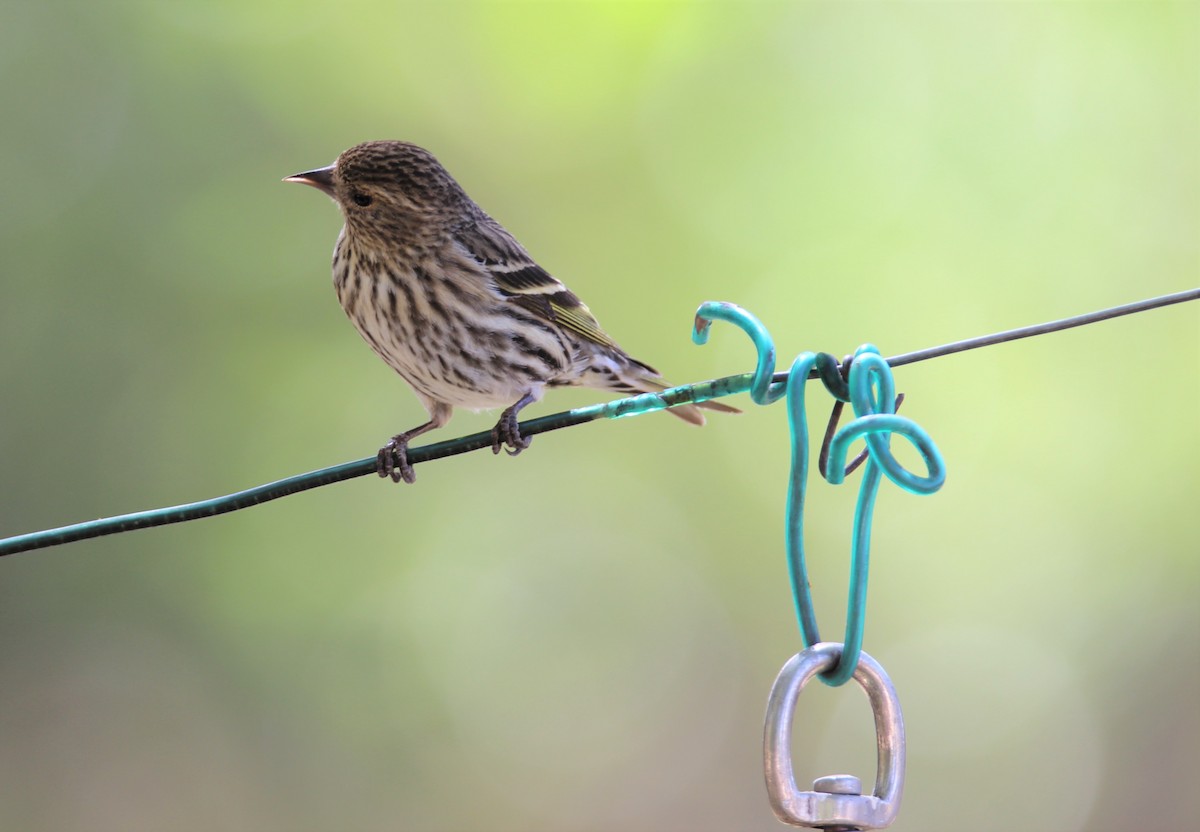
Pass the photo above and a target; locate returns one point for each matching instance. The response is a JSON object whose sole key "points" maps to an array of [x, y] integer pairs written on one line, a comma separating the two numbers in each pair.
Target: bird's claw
{"points": [[508, 432], [392, 460]]}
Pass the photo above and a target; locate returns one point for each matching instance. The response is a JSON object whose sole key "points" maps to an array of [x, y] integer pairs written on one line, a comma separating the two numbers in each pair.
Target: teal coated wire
{"points": [[632, 406], [872, 393], [826, 368], [793, 539]]}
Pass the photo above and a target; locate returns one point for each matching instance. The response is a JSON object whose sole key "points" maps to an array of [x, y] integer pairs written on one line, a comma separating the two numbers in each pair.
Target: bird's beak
{"points": [[321, 178]]}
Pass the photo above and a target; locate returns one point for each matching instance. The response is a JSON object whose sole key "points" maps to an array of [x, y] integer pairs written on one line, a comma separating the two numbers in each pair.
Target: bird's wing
{"points": [[527, 284]]}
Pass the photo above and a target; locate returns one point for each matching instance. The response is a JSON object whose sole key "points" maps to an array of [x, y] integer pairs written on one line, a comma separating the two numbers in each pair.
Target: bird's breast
{"points": [[450, 342]]}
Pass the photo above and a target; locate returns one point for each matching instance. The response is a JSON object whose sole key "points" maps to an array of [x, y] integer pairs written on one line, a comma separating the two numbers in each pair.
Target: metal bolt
{"points": [[838, 784]]}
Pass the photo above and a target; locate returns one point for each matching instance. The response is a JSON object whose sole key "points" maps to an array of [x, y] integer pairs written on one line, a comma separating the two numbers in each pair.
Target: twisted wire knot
{"points": [[865, 381]]}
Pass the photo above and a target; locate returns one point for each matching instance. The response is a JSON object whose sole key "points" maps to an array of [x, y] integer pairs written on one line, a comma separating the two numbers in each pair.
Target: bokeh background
{"points": [[583, 638]]}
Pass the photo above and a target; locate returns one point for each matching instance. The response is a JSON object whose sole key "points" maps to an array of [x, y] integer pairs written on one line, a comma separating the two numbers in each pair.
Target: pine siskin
{"points": [[454, 304]]}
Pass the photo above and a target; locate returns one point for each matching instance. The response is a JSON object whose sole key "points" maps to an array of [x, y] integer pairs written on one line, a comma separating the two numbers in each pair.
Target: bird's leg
{"points": [[508, 432], [392, 460]]}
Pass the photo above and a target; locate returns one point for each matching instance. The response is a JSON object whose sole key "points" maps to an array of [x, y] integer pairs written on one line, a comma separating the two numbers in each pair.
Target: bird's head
{"points": [[390, 186]]}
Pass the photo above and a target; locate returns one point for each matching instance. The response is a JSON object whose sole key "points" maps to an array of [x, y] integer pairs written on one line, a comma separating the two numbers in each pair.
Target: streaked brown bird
{"points": [[454, 304]]}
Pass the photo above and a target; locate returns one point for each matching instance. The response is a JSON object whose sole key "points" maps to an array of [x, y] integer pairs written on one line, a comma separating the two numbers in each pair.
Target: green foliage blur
{"points": [[584, 637]]}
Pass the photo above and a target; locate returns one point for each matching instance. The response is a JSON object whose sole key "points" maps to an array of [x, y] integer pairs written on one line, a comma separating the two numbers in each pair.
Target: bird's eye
{"points": [[361, 199]]}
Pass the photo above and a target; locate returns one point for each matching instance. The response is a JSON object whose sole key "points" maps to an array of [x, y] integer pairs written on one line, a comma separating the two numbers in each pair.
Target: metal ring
{"points": [[821, 809]]}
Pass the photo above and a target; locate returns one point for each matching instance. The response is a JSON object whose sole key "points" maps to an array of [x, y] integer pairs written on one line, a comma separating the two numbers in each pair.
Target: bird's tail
{"points": [[642, 378]]}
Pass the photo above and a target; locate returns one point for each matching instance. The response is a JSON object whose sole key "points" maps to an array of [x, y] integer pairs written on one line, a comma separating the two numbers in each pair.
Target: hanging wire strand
{"points": [[636, 405]]}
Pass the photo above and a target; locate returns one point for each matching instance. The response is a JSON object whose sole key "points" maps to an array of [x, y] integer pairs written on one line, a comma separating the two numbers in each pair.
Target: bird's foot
{"points": [[508, 432], [392, 460]]}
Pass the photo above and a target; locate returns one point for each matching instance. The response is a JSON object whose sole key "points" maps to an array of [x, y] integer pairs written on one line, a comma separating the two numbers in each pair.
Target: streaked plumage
{"points": [[454, 304]]}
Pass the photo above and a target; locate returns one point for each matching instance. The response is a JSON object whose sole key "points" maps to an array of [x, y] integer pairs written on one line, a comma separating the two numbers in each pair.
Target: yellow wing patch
{"points": [[579, 319]]}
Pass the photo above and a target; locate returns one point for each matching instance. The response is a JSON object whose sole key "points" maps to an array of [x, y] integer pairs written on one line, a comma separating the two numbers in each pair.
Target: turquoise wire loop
{"points": [[873, 397], [871, 392]]}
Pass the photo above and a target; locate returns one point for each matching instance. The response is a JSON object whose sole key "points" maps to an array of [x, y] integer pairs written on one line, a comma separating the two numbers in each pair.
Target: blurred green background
{"points": [[584, 638]]}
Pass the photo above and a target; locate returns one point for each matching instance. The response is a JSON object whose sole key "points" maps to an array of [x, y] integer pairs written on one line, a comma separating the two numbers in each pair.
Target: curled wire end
{"points": [[762, 391]]}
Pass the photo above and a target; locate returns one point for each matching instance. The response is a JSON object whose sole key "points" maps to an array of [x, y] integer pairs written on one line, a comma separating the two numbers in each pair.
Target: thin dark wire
{"points": [[700, 391], [1043, 329]]}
